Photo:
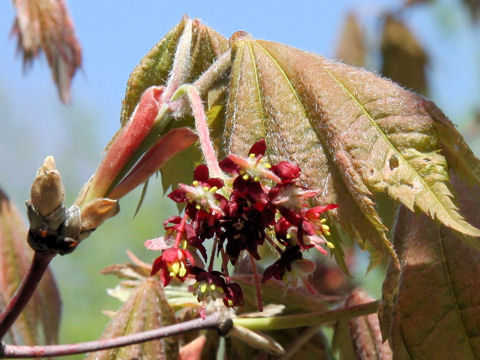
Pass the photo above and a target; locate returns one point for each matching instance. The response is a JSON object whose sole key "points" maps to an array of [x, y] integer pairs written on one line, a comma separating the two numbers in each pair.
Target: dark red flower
{"points": [[286, 171], [233, 295], [173, 262], [289, 267]]}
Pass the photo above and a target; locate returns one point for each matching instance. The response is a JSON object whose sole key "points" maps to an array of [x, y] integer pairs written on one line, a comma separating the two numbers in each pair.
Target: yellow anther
{"points": [[203, 288], [183, 270], [327, 233], [323, 221], [183, 244], [325, 228], [195, 183], [289, 236], [172, 274], [245, 177], [205, 188], [213, 189], [330, 245], [267, 166], [212, 287], [256, 178], [251, 156], [175, 267], [198, 207]]}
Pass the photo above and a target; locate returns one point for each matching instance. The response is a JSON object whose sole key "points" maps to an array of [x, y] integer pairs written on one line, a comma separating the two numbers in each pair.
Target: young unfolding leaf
{"points": [[351, 45], [352, 133], [155, 67], [365, 331], [145, 309], [431, 306], [40, 320], [404, 59], [295, 300], [46, 25]]}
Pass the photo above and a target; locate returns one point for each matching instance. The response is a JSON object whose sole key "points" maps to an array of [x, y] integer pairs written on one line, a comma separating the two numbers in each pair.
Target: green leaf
{"points": [[431, 306], [146, 309], [155, 66], [40, 320], [353, 134]]}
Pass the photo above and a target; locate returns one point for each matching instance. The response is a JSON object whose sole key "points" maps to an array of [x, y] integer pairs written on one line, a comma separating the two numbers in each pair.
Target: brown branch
{"points": [[25, 291], [213, 321]]}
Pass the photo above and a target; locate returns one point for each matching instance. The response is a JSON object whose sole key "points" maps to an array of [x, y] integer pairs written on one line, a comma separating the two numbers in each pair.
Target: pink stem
{"points": [[180, 230], [25, 291], [202, 128], [212, 321], [257, 284]]}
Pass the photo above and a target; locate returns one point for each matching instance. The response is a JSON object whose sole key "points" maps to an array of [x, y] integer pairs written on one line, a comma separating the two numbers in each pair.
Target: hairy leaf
{"points": [[404, 59], [155, 67], [351, 45], [40, 320], [46, 25], [431, 306], [146, 309], [353, 134]]}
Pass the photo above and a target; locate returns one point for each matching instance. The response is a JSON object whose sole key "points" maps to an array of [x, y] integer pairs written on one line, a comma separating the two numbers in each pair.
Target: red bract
{"points": [[173, 262]]}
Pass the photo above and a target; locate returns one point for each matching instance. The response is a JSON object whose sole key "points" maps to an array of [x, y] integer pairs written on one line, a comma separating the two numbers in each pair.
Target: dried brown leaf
{"points": [[46, 25], [351, 45], [430, 307], [404, 59], [40, 320], [146, 309]]}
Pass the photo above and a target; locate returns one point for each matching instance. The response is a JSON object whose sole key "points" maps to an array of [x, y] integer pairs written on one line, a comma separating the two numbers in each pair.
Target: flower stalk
{"points": [[310, 319]]}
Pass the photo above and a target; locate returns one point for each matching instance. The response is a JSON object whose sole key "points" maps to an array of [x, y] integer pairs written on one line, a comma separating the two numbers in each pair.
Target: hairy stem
{"points": [[181, 62], [201, 127], [213, 321], [217, 70], [25, 291], [310, 319]]}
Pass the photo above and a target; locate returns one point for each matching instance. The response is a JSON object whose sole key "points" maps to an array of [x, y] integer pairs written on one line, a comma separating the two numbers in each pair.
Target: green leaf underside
{"points": [[347, 129], [40, 320], [263, 103], [433, 304], [146, 309]]}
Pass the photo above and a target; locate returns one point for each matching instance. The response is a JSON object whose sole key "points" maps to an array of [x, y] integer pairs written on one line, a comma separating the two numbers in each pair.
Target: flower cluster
{"points": [[254, 203]]}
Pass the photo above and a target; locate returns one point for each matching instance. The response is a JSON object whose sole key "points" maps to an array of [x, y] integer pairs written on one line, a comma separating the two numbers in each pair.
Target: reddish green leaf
{"points": [[404, 59], [40, 320], [353, 134], [365, 331], [431, 306], [145, 309], [46, 25]]}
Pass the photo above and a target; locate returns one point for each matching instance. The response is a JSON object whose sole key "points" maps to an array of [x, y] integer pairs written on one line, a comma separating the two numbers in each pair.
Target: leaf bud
{"points": [[47, 191]]}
